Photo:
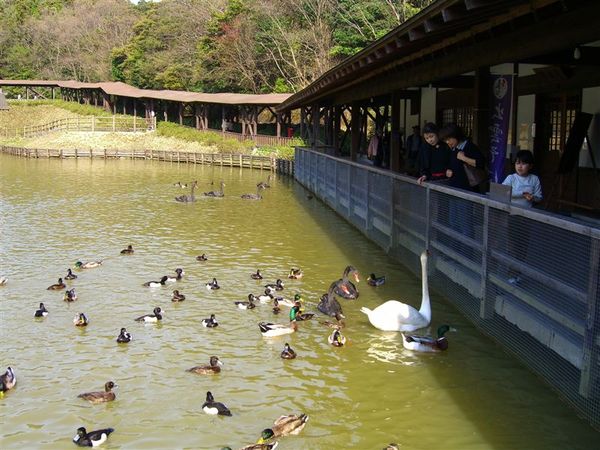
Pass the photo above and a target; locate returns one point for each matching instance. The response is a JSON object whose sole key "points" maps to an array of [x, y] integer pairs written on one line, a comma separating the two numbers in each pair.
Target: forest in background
{"points": [[251, 46]]}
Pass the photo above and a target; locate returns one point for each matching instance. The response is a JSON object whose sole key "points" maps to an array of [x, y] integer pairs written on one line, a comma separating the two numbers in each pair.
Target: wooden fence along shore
{"points": [[283, 166]]}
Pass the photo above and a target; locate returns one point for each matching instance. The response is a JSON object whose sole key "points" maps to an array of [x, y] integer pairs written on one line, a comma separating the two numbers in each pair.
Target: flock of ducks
{"points": [[191, 197]]}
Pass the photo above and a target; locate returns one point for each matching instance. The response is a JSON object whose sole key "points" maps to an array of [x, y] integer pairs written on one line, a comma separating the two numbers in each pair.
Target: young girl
{"points": [[434, 156], [526, 187]]}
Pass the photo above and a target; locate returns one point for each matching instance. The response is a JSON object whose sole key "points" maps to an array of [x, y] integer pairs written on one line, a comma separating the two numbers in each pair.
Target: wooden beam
{"points": [[355, 130], [395, 138]]}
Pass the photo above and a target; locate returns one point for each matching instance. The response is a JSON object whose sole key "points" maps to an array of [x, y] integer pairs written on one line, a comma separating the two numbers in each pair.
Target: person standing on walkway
{"points": [[434, 155]]}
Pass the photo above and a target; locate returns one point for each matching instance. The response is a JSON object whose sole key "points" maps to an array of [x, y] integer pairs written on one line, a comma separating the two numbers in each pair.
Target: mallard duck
{"points": [[336, 339], [267, 296], [256, 276], [295, 274], [70, 275], [80, 320], [427, 343], [339, 322], [219, 193], [177, 297], [256, 196], [397, 316], [162, 282], [278, 285], [188, 198], [101, 397], [213, 368], [247, 305], [127, 251], [288, 352], [87, 265], [151, 318], [391, 446], [372, 280], [329, 305], [93, 438], [202, 257], [212, 407], [276, 308], [276, 329], [295, 313], [179, 275], [289, 303], [263, 446], [57, 286], [8, 380], [42, 312], [285, 426], [263, 184], [124, 336], [344, 287], [70, 296], [213, 285], [211, 322]]}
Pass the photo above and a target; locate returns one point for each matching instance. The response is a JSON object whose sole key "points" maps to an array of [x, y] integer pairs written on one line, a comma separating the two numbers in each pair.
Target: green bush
{"points": [[74, 107]]}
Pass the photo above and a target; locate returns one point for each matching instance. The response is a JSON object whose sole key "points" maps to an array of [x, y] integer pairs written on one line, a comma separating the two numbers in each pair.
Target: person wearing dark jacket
{"points": [[434, 156]]}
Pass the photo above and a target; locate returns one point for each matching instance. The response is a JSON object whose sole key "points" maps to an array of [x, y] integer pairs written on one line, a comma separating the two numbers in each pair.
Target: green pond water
{"points": [[364, 395]]}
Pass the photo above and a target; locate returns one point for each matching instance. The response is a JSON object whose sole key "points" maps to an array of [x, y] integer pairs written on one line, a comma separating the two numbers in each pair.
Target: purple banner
{"points": [[500, 118]]}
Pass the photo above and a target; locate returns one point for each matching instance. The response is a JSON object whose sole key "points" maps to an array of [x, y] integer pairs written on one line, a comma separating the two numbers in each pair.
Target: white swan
{"points": [[397, 316]]}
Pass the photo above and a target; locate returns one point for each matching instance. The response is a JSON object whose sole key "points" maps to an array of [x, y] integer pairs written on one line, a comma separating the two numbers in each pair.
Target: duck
{"points": [[202, 257], [247, 305], [373, 280], [88, 265], [267, 296], [162, 282], [151, 318], [93, 438], [276, 329], [265, 185], [180, 184], [177, 297], [3, 281], [295, 313], [213, 285], [329, 305], [339, 322], [70, 296], [288, 352], [57, 286], [391, 446], [256, 196], [295, 274], [426, 343], [289, 303], [344, 287], [211, 322], [256, 276], [127, 251], [124, 336], [80, 320], [276, 308], [101, 397], [278, 285], [219, 193], [212, 407], [291, 424], [397, 316], [8, 380], [263, 446], [42, 312], [70, 275], [179, 275], [214, 367], [188, 198], [336, 339]]}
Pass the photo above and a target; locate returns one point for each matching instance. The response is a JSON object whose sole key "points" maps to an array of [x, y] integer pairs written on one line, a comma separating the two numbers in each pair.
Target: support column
{"points": [[481, 115], [223, 119], [278, 119], [315, 125], [355, 125], [180, 113], [196, 116], [302, 122], [395, 143], [335, 138]]}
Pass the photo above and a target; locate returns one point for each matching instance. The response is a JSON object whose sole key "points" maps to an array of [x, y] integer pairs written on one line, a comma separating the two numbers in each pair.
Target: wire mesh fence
{"points": [[526, 278]]}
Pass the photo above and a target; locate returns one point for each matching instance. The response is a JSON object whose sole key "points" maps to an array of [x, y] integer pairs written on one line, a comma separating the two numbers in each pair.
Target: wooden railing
{"points": [[260, 139]]}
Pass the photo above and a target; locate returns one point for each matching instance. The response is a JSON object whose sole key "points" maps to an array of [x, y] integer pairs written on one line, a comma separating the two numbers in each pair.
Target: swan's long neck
{"points": [[425, 309]]}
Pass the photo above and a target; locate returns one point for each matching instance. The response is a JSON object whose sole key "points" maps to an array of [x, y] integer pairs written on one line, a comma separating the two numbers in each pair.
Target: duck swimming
{"points": [[289, 303], [151, 318], [344, 287], [202, 257], [124, 336], [42, 312], [219, 193], [276, 308], [397, 316], [296, 315], [276, 329], [256, 276], [288, 352], [214, 408], [188, 198], [214, 367], [3, 281], [211, 322], [336, 339], [88, 265], [80, 320], [93, 438], [127, 251], [339, 322], [100, 397], [213, 285], [70, 296], [427, 343], [267, 296], [263, 446], [256, 196], [70, 275], [8, 380], [372, 280], [247, 305], [329, 304], [278, 285], [57, 286], [295, 274], [162, 282], [177, 297], [179, 275], [264, 185], [291, 424]]}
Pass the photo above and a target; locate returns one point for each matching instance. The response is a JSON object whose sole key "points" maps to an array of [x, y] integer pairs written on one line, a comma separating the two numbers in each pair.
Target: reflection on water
{"points": [[363, 395]]}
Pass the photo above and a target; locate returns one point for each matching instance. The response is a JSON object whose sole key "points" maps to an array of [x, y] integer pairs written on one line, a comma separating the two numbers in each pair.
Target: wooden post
{"points": [[315, 125], [180, 113], [335, 138], [196, 116], [355, 130], [395, 144]]}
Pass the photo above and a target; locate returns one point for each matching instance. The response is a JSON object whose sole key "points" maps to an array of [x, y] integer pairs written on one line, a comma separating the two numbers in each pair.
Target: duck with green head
{"points": [[87, 265], [291, 424], [295, 313], [427, 343]]}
